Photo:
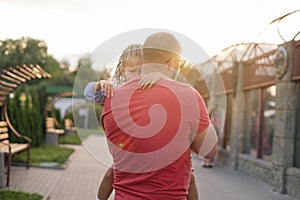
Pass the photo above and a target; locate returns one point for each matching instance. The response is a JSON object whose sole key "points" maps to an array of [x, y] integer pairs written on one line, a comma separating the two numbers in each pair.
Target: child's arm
{"points": [[105, 86], [97, 91], [106, 188], [147, 81]]}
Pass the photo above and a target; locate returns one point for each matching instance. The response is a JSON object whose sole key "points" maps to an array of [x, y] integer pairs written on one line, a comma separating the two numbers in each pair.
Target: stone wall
{"points": [[256, 168], [293, 182], [223, 156]]}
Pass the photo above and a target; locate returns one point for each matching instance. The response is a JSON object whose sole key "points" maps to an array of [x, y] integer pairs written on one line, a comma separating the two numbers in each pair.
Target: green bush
{"points": [[26, 116], [16, 195]]}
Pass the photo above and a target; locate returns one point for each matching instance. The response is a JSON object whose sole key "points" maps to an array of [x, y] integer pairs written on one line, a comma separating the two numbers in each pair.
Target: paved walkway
{"points": [[80, 180], [222, 183]]}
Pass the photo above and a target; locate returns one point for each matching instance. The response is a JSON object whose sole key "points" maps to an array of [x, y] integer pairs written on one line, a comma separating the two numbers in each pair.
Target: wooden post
{"points": [[259, 134]]}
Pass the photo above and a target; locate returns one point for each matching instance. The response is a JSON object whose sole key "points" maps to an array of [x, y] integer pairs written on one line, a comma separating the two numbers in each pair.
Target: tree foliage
{"points": [[26, 50], [28, 116], [84, 73], [24, 113], [22, 51]]}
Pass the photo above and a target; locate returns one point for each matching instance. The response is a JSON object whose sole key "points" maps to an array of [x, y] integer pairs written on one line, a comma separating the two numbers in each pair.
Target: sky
{"points": [[72, 28]]}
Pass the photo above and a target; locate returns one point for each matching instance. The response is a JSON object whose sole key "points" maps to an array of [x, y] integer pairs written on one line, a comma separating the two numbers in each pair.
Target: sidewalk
{"points": [[80, 180], [223, 183]]}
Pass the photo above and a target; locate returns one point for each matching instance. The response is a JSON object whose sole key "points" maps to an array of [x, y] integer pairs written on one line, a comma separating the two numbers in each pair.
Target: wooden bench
{"points": [[10, 149], [10, 79], [52, 132], [69, 126]]}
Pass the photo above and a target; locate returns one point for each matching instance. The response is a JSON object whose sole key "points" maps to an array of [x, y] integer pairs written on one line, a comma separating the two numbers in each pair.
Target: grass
{"points": [[70, 139], [15, 195], [76, 138], [45, 154]]}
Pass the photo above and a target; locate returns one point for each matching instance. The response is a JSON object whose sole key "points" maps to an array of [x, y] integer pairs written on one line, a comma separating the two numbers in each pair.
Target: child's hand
{"points": [[148, 80], [106, 87]]}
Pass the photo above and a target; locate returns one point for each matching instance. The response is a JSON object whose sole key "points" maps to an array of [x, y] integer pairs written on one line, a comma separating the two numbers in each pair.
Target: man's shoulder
{"points": [[182, 89], [173, 83], [170, 84]]}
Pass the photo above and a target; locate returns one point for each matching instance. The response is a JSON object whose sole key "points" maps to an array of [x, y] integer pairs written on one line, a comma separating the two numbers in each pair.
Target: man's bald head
{"points": [[159, 47]]}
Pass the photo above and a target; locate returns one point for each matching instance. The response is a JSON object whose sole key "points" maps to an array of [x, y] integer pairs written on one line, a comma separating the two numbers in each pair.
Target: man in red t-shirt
{"points": [[150, 132]]}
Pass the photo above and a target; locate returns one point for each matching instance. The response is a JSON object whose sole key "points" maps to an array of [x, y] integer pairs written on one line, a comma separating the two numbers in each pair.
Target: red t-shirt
{"points": [[149, 135]]}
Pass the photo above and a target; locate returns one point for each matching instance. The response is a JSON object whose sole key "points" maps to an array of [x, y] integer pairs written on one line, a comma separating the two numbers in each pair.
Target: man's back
{"points": [[149, 135]]}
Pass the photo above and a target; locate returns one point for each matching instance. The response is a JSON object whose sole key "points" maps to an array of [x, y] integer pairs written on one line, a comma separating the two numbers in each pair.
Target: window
{"points": [[253, 116], [225, 143], [260, 117], [268, 122]]}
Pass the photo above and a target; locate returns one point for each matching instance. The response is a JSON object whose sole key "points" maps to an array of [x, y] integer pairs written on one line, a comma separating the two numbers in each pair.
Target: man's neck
{"points": [[155, 67]]}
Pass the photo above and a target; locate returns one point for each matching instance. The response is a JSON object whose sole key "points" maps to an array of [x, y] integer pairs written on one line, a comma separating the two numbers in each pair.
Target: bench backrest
{"points": [[68, 123], [4, 136], [50, 123]]}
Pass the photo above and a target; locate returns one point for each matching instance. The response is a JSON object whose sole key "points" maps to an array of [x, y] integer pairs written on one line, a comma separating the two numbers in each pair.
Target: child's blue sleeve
{"points": [[94, 96]]}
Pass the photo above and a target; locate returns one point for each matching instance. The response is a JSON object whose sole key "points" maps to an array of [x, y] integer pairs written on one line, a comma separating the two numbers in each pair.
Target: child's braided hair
{"points": [[132, 50]]}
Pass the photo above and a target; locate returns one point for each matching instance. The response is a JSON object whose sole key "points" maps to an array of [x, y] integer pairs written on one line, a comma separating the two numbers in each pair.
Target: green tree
{"points": [[25, 121], [84, 73], [57, 116], [15, 113], [65, 65], [25, 116], [36, 120], [26, 50]]}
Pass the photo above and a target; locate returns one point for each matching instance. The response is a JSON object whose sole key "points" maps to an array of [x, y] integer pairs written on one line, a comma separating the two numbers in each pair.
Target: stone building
{"points": [[261, 132]]}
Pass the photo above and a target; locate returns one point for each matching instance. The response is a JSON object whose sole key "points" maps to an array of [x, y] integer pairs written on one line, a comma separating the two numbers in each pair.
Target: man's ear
{"points": [[172, 63]]}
